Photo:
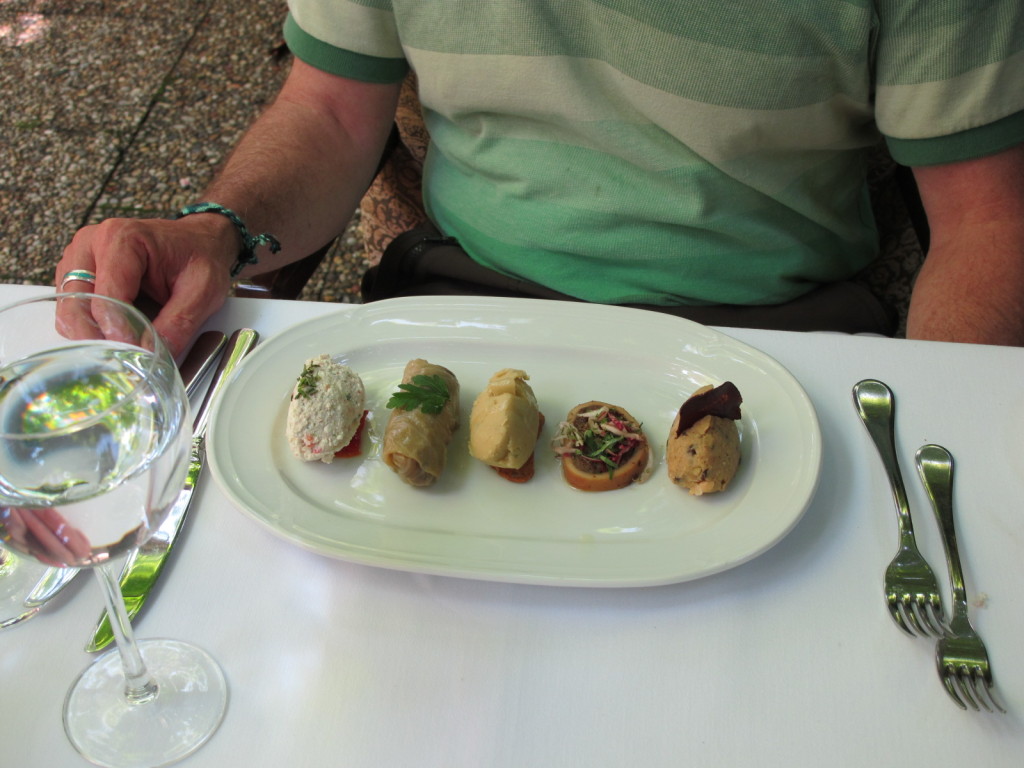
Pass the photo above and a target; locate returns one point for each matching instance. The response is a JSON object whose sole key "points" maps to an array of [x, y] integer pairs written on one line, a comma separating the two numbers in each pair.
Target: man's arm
{"points": [[298, 173], [302, 168], [971, 286]]}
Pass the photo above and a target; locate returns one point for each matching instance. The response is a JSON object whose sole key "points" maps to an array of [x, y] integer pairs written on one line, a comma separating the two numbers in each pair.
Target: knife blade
{"points": [[145, 564], [200, 358]]}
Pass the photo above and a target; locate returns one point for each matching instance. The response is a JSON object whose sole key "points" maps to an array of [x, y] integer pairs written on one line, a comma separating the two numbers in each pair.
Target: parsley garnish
{"points": [[428, 393], [306, 385]]}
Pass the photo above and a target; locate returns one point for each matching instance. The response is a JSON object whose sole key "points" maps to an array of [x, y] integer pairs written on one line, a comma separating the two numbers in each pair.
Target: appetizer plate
{"points": [[473, 523]]}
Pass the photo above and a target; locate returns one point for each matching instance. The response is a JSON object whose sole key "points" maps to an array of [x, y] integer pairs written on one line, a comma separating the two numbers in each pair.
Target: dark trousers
{"points": [[422, 262]]}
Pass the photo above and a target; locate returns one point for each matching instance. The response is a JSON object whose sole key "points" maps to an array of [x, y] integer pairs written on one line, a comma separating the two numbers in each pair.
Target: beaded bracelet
{"points": [[250, 242]]}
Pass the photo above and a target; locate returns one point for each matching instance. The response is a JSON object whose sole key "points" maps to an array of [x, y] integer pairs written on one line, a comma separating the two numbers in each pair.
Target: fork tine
{"points": [[962, 684], [898, 619], [924, 609], [893, 604], [992, 698], [946, 675], [977, 682], [984, 684], [920, 618], [936, 614], [908, 613]]}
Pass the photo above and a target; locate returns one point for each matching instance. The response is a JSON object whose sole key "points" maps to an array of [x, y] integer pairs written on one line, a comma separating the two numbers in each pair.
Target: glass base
{"points": [[18, 577], [109, 730]]}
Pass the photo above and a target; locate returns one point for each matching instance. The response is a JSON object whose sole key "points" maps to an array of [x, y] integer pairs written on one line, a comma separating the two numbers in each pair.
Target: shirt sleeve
{"points": [[349, 39], [949, 78], [965, 145]]}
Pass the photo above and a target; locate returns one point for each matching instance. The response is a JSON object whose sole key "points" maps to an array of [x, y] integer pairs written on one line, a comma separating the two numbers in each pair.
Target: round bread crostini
{"points": [[602, 447]]}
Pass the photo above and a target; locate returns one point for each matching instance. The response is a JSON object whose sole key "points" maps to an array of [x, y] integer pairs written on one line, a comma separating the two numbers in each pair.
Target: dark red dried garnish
{"points": [[724, 400], [354, 447]]}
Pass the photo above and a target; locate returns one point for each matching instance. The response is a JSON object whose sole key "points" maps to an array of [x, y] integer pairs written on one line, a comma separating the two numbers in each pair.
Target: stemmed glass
{"points": [[94, 451], [18, 577]]}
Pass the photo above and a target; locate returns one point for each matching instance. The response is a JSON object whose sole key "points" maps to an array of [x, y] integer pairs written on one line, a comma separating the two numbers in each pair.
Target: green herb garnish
{"points": [[306, 386], [428, 393]]}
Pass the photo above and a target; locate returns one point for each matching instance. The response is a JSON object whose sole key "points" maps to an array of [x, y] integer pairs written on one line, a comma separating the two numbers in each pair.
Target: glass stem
{"points": [[139, 686]]}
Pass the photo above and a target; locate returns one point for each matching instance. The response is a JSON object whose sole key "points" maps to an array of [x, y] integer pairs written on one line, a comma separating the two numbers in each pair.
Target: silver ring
{"points": [[82, 275]]}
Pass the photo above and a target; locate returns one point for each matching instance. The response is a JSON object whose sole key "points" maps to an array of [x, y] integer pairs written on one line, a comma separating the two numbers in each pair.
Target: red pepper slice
{"points": [[521, 475], [354, 447]]}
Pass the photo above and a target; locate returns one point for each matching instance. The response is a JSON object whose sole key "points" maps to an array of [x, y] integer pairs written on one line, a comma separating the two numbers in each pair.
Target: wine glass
{"points": [[94, 451], [18, 577]]}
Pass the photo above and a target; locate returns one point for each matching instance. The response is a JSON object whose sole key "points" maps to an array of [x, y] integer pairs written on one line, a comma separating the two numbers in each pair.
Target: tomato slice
{"points": [[521, 475], [355, 445]]}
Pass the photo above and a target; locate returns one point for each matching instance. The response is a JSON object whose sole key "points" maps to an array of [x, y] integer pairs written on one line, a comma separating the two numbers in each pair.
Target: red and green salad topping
{"points": [[598, 437]]}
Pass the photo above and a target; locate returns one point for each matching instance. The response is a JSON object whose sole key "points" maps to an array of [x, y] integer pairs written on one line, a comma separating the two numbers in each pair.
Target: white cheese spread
{"points": [[325, 409]]}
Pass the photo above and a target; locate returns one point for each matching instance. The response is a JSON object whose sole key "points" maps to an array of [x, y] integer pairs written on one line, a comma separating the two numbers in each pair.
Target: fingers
{"points": [[88, 266], [175, 263], [75, 319], [198, 292], [123, 251], [115, 253], [47, 536]]}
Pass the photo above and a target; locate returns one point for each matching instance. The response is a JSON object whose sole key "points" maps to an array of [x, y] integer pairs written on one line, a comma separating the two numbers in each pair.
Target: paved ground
{"points": [[126, 108]]}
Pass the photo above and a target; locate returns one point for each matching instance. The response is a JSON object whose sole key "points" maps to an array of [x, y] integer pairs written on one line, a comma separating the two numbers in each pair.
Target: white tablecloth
{"points": [[787, 660]]}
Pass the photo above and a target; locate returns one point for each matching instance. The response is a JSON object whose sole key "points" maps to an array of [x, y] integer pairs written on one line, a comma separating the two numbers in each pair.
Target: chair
{"points": [[903, 233]]}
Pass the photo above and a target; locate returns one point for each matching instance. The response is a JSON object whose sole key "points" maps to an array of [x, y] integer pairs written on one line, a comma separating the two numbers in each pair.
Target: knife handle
{"points": [[204, 353], [239, 345]]}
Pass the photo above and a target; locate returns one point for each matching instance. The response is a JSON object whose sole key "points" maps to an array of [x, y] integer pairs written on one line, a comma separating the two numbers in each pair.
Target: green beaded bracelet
{"points": [[250, 242]]}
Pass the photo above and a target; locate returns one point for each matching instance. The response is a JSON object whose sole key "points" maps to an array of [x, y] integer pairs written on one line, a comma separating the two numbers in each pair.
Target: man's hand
{"points": [[298, 173], [182, 265], [971, 287]]}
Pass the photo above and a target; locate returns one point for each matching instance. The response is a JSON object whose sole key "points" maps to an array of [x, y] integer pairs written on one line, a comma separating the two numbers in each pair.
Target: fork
{"points": [[911, 589], [960, 654]]}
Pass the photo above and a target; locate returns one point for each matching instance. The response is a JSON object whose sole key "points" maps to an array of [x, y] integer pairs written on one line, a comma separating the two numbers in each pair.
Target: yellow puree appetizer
{"points": [[504, 425]]}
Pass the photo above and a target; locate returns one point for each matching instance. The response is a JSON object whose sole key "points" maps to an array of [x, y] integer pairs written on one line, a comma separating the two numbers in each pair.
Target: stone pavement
{"points": [[126, 108]]}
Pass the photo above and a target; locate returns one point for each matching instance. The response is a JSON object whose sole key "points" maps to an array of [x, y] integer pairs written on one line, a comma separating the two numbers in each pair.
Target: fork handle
{"points": [[935, 466], [877, 409]]}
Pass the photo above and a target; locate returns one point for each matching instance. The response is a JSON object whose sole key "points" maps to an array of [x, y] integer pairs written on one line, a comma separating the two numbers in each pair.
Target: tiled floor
{"points": [[126, 108]]}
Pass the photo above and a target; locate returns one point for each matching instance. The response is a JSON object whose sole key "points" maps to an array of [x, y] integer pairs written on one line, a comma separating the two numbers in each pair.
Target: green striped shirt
{"points": [[676, 151]]}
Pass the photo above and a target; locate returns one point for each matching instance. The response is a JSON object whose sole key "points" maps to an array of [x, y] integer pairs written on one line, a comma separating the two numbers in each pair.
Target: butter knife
{"points": [[200, 359], [193, 368], [145, 564]]}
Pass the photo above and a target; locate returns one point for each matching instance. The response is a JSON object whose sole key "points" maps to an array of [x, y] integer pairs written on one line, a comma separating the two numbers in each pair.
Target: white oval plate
{"points": [[475, 524]]}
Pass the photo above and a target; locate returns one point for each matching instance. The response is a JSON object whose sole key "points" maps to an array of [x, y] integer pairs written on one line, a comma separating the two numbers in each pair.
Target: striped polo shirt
{"points": [[678, 151]]}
